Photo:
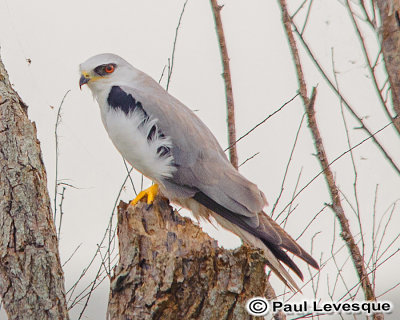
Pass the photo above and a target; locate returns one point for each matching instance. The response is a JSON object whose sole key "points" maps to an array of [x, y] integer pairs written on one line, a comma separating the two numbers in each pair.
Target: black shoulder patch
{"points": [[119, 99]]}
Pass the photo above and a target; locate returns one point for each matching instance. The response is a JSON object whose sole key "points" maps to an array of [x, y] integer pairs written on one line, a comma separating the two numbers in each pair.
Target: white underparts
{"points": [[129, 133]]}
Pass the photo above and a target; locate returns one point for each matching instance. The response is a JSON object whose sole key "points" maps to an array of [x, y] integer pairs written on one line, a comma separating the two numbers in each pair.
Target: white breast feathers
{"points": [[138, 139]]}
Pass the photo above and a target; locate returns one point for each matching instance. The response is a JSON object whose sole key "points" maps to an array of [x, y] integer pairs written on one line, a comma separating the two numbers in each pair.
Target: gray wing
{"points": [[199, 159], [205, 174]]}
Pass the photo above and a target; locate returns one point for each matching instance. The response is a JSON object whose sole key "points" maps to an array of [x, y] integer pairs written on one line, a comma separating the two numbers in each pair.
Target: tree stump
{"points": [[170, 269]]}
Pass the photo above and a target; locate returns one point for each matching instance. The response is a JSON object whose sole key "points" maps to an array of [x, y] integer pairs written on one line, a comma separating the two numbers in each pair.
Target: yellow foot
{"points": [[150, 193]]}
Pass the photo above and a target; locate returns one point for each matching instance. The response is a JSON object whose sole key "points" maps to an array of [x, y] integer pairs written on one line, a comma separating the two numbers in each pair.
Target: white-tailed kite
{"points": [[168, 143]]}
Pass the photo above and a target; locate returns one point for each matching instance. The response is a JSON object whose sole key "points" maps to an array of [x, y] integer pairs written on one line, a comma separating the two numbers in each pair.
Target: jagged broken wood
{"points": [[31, 278], [170, 269]]}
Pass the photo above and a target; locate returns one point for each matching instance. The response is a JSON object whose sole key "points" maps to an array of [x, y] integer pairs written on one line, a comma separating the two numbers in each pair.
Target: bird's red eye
{"points": [[109, 68]]}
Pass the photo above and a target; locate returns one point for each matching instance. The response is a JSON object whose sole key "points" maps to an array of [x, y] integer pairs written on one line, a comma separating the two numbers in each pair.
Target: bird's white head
{"points": [[105, 70]]}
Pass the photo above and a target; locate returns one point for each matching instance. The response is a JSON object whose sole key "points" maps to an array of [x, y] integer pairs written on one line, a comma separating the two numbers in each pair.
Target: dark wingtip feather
{"points": [[282, 256], [311, 261], [290, 244], [268, 236]]}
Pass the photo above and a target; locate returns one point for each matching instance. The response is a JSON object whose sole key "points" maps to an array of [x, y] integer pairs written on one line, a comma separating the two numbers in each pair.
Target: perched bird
{"points": [[168, 143]]}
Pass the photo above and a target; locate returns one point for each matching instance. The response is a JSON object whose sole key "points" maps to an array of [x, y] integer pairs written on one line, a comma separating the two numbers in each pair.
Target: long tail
{"points": [[268, 236]]}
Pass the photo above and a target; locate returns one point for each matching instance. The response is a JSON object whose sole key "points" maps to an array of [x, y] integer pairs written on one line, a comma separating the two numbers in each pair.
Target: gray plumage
{"points": [[196, 172]]}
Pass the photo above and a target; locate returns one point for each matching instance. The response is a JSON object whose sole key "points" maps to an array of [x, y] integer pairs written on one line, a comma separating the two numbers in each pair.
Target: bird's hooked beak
{"points": [[85, 78]]}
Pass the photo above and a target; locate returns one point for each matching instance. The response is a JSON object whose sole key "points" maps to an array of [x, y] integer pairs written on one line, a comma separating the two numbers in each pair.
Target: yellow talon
{"points": [[150, 193]]}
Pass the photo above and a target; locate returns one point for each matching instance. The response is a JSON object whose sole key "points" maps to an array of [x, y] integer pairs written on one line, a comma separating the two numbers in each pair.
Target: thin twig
{"points": [[377, 60], [71, 291], [249, 158], [385, 227], [374, 231], [287, 167], [299, 9], [369, 65], [71, 256], [172, 59], [322, 266], [311, 221], [162, 74], [128, 171], [322, 157], [355, 181], [332, 162], [263, 121], [290, 210], [370, 21], [58, 120], [337, 206], [348, 106], [378, 266], [339, 270], [307, 16], [388, 290], [315, 287], [67, 184], [61, 210]]}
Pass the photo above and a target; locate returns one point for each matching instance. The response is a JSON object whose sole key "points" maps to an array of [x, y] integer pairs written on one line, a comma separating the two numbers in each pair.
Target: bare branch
{"points": [[72, 300], [311, 221], [332, 162], [71, 256], [299, 8], [216, 9], [287, 167], [322, 157], [337, 207], [58, 120], [370, 68], [355, 181], [290, 210], [307, 16], [249, 158], [62, 194], [345, 102], [172, 59], [263, 121]]}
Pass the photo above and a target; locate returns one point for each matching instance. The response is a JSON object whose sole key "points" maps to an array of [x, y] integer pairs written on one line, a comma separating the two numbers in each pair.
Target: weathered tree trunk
{"points": [[390, 42], [170, 269], [31, 278]]}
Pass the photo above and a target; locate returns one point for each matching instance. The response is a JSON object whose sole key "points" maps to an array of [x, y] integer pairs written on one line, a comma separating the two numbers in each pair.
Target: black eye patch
{"points": [[103, 70]]}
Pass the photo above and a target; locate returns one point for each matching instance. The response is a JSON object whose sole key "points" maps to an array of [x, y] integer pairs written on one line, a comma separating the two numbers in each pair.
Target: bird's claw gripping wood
{"points": [[150, 193]]}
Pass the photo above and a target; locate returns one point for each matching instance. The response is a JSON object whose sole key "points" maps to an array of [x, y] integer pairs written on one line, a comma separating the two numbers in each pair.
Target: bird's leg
{"points": [[150, 193]]}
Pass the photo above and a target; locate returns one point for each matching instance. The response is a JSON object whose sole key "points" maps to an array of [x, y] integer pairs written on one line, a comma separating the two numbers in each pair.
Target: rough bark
{"points": [[31, 278], [170, 269], [390, 42]]}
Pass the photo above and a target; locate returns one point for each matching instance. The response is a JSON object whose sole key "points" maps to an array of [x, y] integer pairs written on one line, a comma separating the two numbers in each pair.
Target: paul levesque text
{"points": [[317, 307]]}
